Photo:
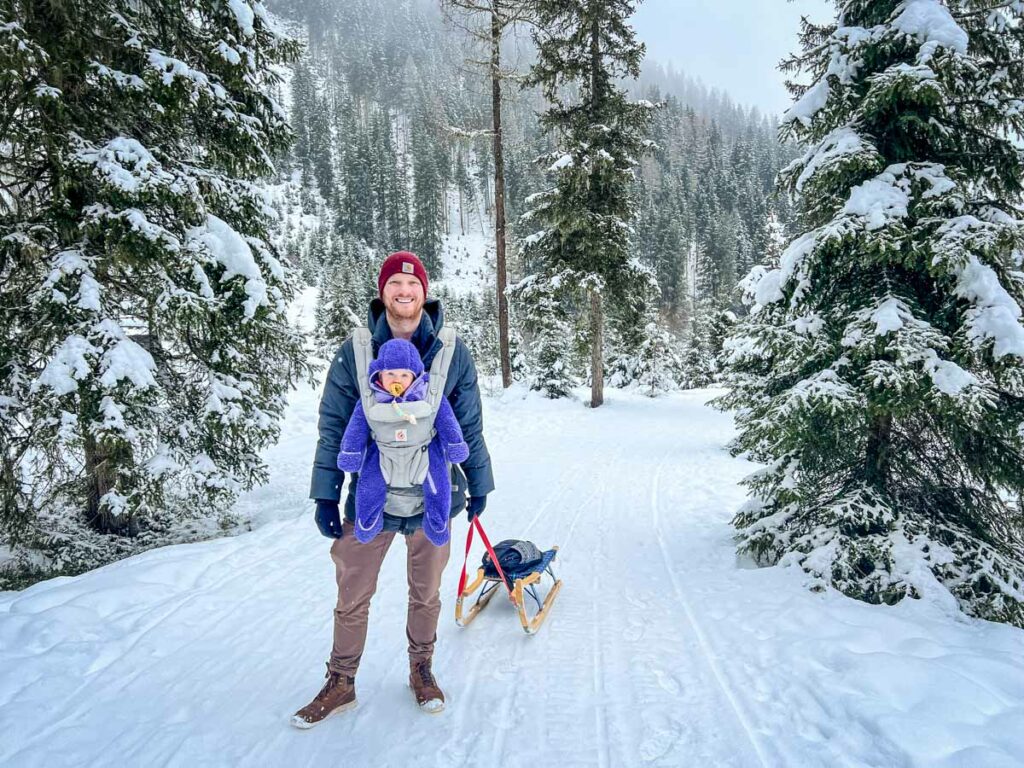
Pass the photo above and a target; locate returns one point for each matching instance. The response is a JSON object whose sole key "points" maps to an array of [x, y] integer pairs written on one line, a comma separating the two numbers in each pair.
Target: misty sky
{"points": [[734, 45]]}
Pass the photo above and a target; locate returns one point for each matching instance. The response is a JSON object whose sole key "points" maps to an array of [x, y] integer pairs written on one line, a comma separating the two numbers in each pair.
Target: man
{"points": [[401, 312]]}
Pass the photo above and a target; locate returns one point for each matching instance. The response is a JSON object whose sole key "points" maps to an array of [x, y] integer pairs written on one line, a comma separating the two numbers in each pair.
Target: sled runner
{"points": [[518, 566]]}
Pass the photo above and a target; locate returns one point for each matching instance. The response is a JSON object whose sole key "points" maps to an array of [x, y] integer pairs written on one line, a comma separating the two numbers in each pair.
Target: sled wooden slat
{"points": [[530, 626], [479, 605]]}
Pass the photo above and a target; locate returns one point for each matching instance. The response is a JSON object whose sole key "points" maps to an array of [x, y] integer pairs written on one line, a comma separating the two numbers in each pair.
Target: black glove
{"points": [[328, 518], [476, 506]]}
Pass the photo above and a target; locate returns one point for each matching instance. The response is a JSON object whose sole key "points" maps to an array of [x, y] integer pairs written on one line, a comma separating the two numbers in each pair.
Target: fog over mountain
{"points": [[734, 46]]}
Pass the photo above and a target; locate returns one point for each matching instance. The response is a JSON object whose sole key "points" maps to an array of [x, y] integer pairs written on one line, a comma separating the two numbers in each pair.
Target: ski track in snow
{"points": [[663, 649], [684, 602]]}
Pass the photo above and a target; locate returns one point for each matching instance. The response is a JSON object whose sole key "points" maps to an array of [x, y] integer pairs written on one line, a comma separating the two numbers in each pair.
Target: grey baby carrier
{"points": [[403, 436]]}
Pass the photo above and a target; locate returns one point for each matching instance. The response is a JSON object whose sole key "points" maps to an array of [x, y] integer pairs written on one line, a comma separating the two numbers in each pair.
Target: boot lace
{"points": [[333, 679], [426, 676]]}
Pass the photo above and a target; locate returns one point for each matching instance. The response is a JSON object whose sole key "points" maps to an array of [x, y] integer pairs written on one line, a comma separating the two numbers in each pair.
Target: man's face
{"points": [[403, 296]]}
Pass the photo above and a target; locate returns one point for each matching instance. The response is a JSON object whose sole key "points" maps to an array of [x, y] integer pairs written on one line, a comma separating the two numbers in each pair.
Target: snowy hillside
{"points": [[661, 650]]}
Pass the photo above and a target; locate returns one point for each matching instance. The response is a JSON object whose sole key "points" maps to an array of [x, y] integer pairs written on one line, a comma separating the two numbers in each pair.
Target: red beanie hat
{"points": [[403, 262]]}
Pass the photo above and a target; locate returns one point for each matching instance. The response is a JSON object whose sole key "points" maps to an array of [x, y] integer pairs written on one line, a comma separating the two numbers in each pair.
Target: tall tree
{"points": [[584, 47], [881, 375], [146, 351], [497, 16], [427, 198]]}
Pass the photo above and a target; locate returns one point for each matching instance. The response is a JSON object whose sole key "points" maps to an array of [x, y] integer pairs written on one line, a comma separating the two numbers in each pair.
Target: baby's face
{"points": [[396, 381]]}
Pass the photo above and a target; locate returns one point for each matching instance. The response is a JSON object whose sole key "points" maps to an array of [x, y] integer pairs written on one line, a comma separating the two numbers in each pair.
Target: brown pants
{"points": [[357, 566]]}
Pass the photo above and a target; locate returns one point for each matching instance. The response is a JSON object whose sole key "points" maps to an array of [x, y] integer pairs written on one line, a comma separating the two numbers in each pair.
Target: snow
{"points": [[994, 313], [930, 22], [228, 53], [842, 144], [935, 175], [878, 201], [231, 250], [792, 264], [844, 64], [67, 366], [565, 161], [663, 648], [467, 257], [123, 359], [768, 288], [171, 68], [127, 360], [123, 79], [889, 316], [243, 15], [125, 164], [808, 105], [948, 377]]}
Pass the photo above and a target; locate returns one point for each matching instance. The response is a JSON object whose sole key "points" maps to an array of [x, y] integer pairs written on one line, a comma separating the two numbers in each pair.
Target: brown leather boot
{"points": [[337, 695], [429, 696]]}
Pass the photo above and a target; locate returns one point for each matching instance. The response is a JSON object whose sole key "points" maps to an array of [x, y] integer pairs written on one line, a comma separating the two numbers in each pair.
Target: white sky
{"points": [[734, 45]]}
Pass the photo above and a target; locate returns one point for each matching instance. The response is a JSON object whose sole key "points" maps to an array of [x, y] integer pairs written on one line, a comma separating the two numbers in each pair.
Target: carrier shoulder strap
{"points": [[439, 368], [363, 348]]}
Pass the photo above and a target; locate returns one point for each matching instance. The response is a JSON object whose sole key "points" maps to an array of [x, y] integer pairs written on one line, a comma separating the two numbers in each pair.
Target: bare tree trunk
{"points": [[444, 209], [499, 201], [596, 345], [878, 449], [462, 202], [101, 458], [596, 311]]}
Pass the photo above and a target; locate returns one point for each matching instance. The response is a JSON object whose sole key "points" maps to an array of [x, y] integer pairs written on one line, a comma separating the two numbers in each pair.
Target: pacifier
{"points": [[396, 388]]}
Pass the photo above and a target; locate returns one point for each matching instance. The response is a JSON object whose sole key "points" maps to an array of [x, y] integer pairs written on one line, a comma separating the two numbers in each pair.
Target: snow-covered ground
{"points": [[662, 648], [467, 258]]}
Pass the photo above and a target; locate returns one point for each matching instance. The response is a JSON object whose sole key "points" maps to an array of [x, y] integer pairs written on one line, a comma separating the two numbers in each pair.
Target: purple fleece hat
{"points": [[397, 353]]}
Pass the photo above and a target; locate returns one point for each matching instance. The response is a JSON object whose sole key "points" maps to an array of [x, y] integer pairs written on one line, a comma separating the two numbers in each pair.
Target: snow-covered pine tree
{"points": [[543, 307], [584, 46], [702, 356], [347, 285], [427, 199], [642, 352], [146, 348], [312, 125], [881, 374]]}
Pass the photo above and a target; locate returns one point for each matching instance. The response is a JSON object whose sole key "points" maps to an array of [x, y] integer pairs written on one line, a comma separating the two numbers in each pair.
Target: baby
{"points": [[402, 442]]}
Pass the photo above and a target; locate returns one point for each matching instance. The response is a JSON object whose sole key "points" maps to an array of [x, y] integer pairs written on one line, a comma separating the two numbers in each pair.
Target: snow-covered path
{"points": [[662, 649]]}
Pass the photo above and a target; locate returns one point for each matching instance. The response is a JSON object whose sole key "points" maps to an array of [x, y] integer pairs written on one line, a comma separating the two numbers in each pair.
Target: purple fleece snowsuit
{"points": [[359, 453]]}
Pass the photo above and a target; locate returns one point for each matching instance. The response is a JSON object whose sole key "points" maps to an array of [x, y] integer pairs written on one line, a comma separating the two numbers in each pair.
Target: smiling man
{"points": [[402, 312]]}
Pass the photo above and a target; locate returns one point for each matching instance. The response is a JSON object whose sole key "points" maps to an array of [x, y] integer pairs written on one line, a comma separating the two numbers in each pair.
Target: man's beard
{"points": [[408, 311]]}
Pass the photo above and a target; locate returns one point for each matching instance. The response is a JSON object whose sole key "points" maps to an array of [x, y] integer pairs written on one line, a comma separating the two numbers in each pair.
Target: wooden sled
{"points": [[520, 584]]}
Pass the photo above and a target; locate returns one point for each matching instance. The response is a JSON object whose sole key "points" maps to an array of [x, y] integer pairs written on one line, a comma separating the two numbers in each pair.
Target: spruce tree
{"points": [[543, 308], [584, 46], [146, 351], [881, 373], [347, 285], [642, 353], [425, 236]]}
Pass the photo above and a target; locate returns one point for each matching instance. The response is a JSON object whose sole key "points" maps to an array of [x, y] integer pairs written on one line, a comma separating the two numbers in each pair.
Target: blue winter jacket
{"points": [[341, 393]]}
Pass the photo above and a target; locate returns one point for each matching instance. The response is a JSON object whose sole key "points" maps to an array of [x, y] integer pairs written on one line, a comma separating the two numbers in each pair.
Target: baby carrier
{"points": [[402, 435]]}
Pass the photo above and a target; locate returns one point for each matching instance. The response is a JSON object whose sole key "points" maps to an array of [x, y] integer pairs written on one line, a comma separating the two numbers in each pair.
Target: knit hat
{"points": [[404, 262], [395, 354]]}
